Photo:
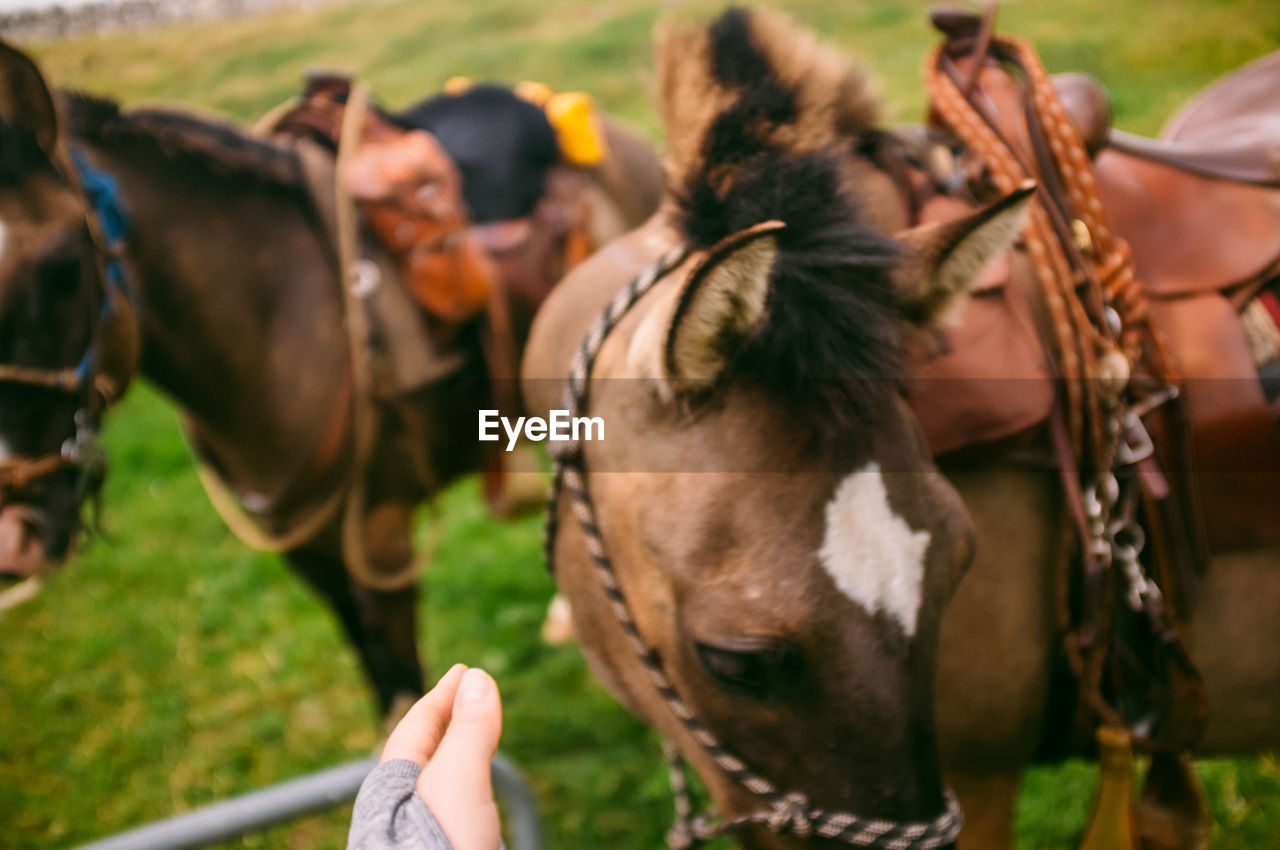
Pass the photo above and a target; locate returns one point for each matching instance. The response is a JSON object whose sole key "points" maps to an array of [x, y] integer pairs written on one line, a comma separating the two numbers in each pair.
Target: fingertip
{"points": [[479, 702], [475, 685], [418, 733], [453, 673]]}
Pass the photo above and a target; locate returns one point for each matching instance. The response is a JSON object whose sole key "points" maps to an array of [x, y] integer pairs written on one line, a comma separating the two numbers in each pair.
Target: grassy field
{"points": [[169, 666]]}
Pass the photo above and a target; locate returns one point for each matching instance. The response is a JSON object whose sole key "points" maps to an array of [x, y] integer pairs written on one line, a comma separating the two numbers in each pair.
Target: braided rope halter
{"points": [[783, 813]]}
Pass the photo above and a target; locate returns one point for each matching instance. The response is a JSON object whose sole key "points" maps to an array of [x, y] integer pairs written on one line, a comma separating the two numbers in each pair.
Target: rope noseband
{"points": [[784, 813]]}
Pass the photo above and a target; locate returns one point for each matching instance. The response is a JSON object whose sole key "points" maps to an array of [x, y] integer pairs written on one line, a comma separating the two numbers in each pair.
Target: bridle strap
{"points": [[107, 223], [784, 813], [67, 380], [17, 474]]}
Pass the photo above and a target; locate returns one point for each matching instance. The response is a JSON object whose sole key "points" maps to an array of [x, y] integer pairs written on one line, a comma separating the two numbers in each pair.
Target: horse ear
{"points": [[720, 308], [944, 258], [25, 101]]}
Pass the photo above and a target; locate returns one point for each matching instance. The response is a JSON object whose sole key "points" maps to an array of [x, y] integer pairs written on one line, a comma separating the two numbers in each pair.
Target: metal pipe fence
{"points": [[296, 798]]}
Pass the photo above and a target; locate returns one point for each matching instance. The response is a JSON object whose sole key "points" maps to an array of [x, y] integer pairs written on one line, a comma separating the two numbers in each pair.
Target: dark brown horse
{"points": [[767, 563], [237, 315]]}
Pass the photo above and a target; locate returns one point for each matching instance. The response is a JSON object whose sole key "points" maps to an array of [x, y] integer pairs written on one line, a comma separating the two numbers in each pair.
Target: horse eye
{"points": [[763, 672]]}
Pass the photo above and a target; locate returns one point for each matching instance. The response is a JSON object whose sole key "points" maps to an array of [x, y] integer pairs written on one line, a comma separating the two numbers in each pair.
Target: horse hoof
{"points": [[557, 628]]}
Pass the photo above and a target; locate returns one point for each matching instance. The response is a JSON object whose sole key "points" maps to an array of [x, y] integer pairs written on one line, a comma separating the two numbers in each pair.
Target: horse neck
{"points": [[238, 301]]}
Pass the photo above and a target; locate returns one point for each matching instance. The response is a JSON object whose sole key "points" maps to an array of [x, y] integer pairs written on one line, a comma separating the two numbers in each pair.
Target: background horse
{"points": [[782, 548], [239, 319]]}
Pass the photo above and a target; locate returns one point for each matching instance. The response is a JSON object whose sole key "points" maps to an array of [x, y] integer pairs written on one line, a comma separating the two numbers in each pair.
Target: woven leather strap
{"points": [[1100, 326], [1084, 268]]}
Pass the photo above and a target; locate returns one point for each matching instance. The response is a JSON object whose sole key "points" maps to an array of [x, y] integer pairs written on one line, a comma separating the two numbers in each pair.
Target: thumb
{"points": [[456, 782]]}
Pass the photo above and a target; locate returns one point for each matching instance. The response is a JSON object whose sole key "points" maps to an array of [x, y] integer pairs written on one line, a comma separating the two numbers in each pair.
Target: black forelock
{"points": [[831, 343]]}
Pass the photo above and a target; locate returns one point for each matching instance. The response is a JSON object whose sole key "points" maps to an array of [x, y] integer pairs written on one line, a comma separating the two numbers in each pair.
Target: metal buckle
{"points": [[365, 278], [1135, 443]]}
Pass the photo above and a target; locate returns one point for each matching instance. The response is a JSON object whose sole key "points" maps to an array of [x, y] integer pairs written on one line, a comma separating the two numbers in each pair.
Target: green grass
{"points": [[169, 666]]}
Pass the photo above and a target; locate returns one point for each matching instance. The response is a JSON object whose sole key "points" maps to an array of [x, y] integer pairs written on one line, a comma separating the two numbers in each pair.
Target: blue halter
{"points": [[102, 191]]}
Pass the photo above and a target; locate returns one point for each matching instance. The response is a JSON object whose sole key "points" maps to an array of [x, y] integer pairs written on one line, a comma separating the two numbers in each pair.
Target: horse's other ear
{"points": [[719, 308], [943, 259], [25, 101]]}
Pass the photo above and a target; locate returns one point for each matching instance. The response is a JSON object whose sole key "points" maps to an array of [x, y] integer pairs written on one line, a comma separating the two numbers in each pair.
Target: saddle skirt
{"points": [[986, 377]]}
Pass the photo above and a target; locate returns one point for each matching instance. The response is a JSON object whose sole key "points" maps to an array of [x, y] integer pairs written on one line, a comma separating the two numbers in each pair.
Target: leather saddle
{"points": [[1216, 169], [1200, 210], [409, 192]]}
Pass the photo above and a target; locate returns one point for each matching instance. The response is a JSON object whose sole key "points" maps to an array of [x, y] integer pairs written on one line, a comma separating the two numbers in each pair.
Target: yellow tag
{"points": [[457, 85], [573, 115]]}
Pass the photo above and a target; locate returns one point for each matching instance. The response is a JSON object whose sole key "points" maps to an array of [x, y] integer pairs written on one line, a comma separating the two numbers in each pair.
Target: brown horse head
{"points": [[51, 298], [782, 539]]}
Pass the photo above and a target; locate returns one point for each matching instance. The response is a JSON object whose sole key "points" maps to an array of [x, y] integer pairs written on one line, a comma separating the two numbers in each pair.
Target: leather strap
{"points": [[1104, 337]]}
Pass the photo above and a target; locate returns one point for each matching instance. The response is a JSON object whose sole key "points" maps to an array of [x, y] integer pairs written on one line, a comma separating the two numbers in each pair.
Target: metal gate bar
{"points": [[295, 798]]}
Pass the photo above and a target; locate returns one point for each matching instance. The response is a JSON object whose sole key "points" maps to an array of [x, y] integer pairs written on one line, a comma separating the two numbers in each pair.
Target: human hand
{"points": [[453, 732]]}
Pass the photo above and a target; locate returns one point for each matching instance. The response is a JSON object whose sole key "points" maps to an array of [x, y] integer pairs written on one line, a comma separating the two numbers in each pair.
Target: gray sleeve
{"points": [[389, 815]]}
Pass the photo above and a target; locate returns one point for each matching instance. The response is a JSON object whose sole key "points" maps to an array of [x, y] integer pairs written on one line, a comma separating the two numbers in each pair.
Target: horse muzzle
{"points": [[22, 551]]}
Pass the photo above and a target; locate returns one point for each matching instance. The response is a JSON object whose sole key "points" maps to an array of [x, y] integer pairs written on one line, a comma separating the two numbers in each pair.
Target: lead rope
{"points": [[786, 813]]}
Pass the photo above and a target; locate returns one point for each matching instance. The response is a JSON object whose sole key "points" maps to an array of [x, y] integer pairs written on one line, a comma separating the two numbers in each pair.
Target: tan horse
{"points": [[725, 550], [783, 542]]}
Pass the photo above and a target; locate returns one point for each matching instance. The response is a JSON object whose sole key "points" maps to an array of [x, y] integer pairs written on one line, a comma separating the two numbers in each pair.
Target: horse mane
{"points": [[763, 124], [217, 148]]}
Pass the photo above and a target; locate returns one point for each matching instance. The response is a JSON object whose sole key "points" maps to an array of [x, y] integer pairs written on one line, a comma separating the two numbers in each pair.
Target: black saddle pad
{"points": [[503, 145]]}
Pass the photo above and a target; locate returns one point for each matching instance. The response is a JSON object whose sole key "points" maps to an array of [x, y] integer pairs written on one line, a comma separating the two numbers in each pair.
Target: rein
{"points": [[783, 812], [108, 223]]}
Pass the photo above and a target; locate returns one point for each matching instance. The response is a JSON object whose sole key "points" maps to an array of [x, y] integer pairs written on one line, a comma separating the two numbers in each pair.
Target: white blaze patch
{"points": [[873, 556]]}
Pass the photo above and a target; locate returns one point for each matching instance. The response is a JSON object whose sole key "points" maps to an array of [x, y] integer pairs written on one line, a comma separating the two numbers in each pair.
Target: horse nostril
{"points": [[21, 552]]}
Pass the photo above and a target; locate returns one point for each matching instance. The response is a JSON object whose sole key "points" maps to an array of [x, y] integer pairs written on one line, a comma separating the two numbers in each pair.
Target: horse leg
{"points": [[391, 621], [996, 646], [381, 625], [989, 804], [1173, 813]]}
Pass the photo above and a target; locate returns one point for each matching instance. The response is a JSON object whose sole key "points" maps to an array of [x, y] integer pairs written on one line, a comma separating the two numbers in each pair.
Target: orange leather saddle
{"points": [[410, 194], [1200, 209]]}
